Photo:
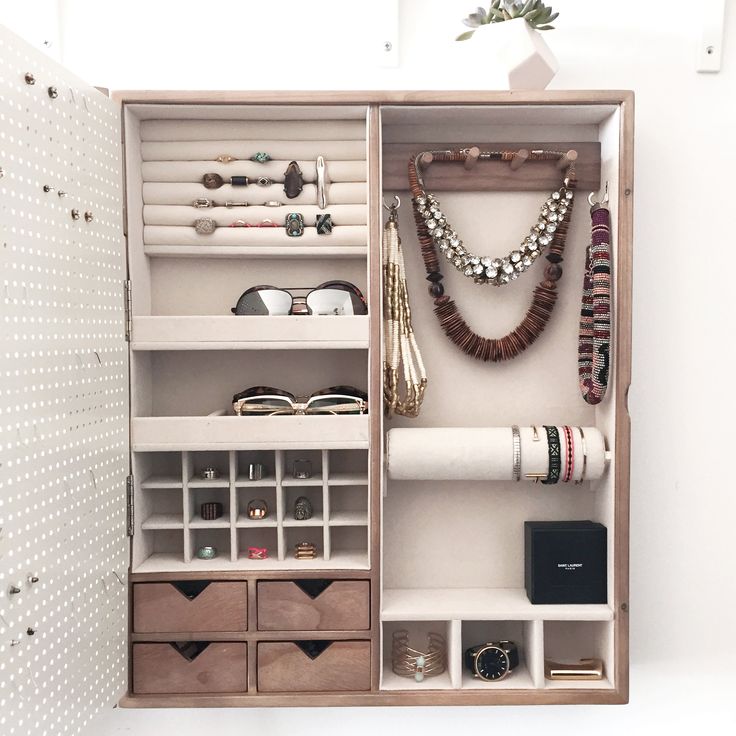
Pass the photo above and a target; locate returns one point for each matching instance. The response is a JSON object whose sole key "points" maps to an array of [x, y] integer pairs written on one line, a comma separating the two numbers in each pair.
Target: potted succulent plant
{"points": [[509, 32]]}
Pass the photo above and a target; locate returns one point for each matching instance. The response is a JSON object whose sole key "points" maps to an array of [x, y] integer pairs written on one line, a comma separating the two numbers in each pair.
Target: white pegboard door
{"points": [[63, 399]]}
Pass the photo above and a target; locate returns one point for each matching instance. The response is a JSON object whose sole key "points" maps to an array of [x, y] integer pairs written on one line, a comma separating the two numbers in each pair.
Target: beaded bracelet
{"points": [[553, 445], [569, 455]]}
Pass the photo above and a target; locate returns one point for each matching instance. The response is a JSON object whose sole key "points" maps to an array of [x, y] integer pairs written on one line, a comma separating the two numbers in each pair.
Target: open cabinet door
{"points": [[63, 398]]}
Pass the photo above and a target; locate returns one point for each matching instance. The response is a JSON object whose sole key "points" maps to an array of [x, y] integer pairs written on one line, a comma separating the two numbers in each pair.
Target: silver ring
{"points": [[264, 181], [272, 203], [236, 204], [516, 437], [321, 191], [205, 225], [202, 202], [255, 471]]}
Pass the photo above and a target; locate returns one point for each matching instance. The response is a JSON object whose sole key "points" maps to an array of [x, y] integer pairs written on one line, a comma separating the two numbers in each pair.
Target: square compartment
{"points": [[252, 536], [196, 461], [198, 496], [571, 641], [418, 631], [348, 506], [159, 549], [247, 494], [161, 508], [156, 470], [264, 457], [217, 537], [349, 546], [314, 457], [480, 632], [348, 467], [313, 534], [315, 497]]}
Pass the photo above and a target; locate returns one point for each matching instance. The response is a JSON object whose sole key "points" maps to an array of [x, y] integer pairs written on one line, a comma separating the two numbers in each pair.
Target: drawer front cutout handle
{"points": [[313, 587], [190, 650], [313, 647], [190, 589]]}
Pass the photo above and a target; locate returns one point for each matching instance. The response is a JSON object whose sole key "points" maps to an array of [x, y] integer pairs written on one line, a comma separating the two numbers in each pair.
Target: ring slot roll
{"points": [[483, 453]]}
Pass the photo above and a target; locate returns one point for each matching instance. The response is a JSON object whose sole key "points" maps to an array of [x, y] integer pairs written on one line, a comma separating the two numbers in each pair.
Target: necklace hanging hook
{"points": [[603, 202], [392, 208]]}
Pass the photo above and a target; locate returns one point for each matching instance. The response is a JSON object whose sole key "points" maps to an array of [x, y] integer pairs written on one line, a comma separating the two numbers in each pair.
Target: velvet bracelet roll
{"points": [[486, 453]]}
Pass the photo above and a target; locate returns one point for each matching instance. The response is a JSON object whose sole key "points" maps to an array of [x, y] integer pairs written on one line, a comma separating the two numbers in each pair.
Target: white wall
{"points": [[683, 589]]}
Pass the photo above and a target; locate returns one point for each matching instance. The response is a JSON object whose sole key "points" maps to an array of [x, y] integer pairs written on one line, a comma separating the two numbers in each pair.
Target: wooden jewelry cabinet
{"points": [[146, 381]]}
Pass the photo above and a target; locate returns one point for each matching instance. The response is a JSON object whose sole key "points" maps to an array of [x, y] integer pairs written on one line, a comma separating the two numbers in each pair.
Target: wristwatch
{"points": [[492, 661]]}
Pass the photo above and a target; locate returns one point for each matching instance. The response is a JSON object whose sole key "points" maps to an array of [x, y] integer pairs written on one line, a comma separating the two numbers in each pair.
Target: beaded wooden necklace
{"points": [[545, 293]]}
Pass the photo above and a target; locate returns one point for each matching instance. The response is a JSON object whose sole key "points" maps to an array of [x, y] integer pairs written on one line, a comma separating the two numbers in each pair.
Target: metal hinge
{"points": [[129, 507], [128, 311]]}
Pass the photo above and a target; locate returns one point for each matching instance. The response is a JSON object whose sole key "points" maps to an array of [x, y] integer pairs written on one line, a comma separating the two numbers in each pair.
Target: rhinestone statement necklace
{"points": [[485, 269], [496, 271]]}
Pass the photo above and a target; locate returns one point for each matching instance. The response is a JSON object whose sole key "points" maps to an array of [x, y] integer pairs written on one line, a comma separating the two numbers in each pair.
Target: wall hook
{"points": [[603, 202]]}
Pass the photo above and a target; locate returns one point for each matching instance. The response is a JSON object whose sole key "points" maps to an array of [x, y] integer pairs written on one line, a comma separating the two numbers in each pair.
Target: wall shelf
{"points": [[231, 332], [425, 604]]}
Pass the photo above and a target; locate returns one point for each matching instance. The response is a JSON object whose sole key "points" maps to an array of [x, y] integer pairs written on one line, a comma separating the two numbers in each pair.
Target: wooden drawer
{"points": [[190, 607], [314, 605], [284, 666], [220, 667]]}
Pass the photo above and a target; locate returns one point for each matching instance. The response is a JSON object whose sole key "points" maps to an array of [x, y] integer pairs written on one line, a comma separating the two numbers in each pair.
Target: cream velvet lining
{"points": [[342, 214], [266, 236], [193, 171]]}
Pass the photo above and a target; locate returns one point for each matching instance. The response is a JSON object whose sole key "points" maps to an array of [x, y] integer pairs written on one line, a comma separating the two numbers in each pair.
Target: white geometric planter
{"points": [[514, 51]]}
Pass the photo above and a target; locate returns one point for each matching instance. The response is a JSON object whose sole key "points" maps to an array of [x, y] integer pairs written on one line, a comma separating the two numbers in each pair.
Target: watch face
{"points": [[492, 664]]}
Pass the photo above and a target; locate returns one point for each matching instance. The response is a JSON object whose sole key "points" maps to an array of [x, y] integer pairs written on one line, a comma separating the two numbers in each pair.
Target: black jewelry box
{"points": [[565, 562]]}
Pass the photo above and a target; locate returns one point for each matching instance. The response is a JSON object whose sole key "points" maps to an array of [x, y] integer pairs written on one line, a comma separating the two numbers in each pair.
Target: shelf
{"points": [[163, 521], [316, 521], [292, 482], [216, 432], [221, 482], [198, 522], [240, 251], [245, 522], [162, 482], [348, 479], [603, 684], [392, 681], [161, 562], [348, 518], [481, 604], [242, 482], [518, 679], [230, 332]]}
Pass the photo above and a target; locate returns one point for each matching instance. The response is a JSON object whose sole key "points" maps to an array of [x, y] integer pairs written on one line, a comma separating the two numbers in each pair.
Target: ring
{"points": [[239, 223], [305, 551], [235, 204], [225, 158], [516, 437], [294, 224], [257, 509], [272, 203], [260, 157], [264, 181], [293, 180], [323, 223], [207, 552], [202, 202], [321, 192], [210, 510], [255, 471], [209, 473], [257, 553], [205, 225]]}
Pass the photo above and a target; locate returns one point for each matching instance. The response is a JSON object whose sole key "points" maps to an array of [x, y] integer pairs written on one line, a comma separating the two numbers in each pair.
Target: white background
{"points": [[683, 586]]}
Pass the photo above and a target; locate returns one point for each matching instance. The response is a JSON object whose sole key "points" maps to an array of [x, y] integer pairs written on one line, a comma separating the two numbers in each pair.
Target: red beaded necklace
{"points": [[545, 293]]}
